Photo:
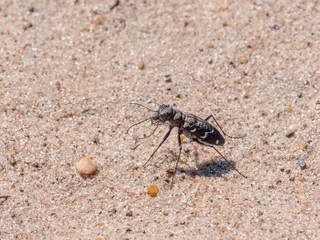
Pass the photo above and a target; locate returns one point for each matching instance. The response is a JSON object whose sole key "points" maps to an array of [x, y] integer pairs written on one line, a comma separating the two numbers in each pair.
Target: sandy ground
{"points": [[68, 71]]}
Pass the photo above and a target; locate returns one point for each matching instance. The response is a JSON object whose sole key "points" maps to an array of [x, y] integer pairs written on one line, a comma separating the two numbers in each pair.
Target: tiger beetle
{"points": [[193, 127]]}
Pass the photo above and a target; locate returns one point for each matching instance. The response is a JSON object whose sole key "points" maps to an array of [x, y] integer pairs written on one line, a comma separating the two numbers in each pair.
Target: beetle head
{"points": [[164, 113]]}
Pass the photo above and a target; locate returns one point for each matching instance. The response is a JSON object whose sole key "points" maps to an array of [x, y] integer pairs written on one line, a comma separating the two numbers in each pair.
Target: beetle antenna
{"points": [[138, 104], [137, 124]]}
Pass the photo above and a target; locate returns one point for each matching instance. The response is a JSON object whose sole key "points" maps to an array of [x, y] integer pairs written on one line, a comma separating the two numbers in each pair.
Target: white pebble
{"points": [[86, 166]]}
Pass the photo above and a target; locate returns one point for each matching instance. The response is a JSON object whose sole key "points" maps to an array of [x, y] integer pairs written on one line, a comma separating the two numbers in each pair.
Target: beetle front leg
{"points": [[163, 140]]}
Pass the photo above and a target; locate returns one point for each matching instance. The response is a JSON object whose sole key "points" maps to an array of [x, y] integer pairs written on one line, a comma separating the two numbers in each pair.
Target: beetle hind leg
{"points": [[211, 116], [226, 160]]}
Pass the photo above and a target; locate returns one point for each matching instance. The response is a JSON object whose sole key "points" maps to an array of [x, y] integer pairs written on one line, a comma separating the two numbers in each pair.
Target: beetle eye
{"points": [[155, 117]]}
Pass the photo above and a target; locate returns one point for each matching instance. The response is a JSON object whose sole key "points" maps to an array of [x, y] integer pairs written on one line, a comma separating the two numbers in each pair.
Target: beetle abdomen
{"points": [[201, 130]]}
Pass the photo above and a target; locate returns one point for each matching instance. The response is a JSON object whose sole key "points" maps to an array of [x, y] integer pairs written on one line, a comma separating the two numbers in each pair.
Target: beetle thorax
{"points": [[166, 113]]}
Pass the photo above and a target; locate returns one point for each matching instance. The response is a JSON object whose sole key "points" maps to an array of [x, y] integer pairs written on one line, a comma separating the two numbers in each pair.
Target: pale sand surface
{"points": [[68, 71]]}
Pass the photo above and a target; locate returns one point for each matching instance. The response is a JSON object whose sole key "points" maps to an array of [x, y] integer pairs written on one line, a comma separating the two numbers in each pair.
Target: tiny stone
{"points": [[112, 212], [304, 145], [140, 65], [36, 165], [27, 26], [110, 159], [293, 127], [153, 190], [224, 7], [86, 167], [291, 130], [129, 214], [302, 164], [243, 60], [165, 213], [96, 21], [96, 140], [232, 64], [305, 82], [12, 161], [186, 150], [168, 80]]}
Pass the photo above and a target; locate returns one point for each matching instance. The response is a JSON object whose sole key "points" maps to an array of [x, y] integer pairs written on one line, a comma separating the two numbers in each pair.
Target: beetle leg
{"points": [[227, 161], [180, 148], [163, 140], [221, 127]]}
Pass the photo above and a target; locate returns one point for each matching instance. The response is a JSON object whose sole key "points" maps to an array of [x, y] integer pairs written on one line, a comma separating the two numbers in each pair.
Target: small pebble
{"points": [[27, 26], [35, 165], [110, 159], [304, 145], [186, 150], [96, 21], [167, 78], [182, 138], [291, 130], [153, 190], [129, 214], [86, 166], [12, 161], [302, 164], [260, 214], [224, 7], [140, 65], [243, 60], [112, 212], [317, 106]]}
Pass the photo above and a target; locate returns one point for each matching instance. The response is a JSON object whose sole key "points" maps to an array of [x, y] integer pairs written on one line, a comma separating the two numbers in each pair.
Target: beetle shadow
{"points": [[211, 168]]}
